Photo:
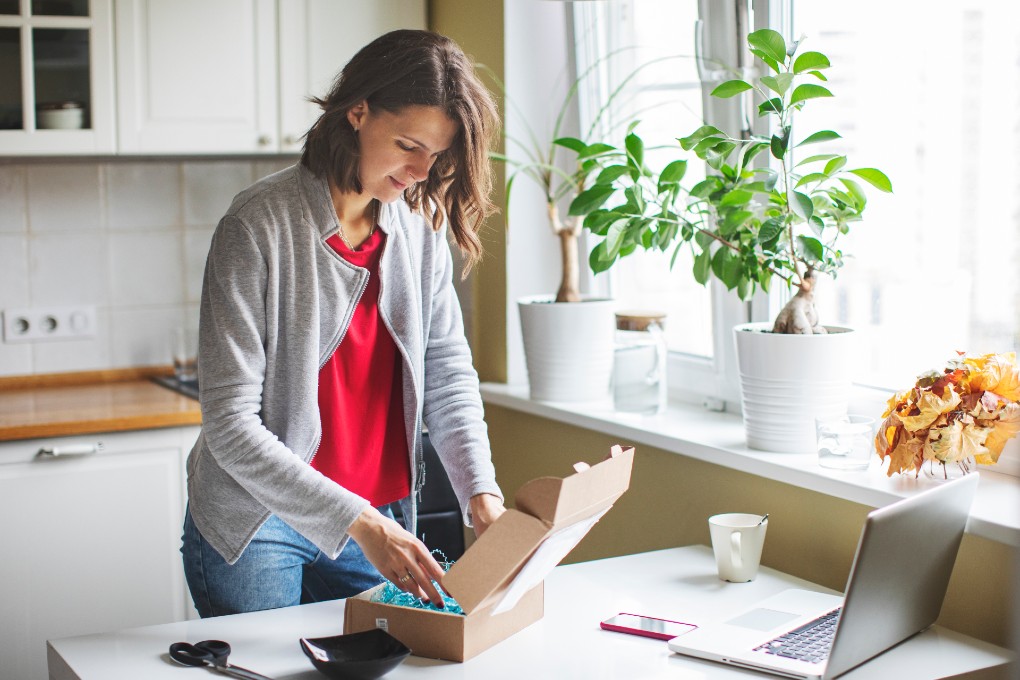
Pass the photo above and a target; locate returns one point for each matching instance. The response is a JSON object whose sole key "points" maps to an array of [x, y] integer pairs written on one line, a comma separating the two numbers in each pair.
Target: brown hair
{"points": [[415, 68]]}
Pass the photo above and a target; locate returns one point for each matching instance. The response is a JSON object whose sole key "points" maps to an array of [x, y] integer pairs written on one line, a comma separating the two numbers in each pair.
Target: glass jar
{"points": [[639, 363]]}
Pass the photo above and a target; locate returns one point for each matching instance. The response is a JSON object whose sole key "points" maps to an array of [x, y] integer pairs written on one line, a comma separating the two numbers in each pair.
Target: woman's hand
{"points": [[485, 509], [398, 555]]}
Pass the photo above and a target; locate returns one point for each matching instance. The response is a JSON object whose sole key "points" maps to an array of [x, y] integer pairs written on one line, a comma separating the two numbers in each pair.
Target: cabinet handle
{"points": [[71, 450], [265, 140], [291, 140]]}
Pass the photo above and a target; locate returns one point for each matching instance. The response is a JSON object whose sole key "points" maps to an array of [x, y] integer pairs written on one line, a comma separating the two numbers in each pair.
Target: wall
{"points": [[129, 237], [480, 33], [810, 535]]}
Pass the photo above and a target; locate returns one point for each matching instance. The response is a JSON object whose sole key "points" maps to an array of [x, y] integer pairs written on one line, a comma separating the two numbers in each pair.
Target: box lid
{"points": [[551, 516]]}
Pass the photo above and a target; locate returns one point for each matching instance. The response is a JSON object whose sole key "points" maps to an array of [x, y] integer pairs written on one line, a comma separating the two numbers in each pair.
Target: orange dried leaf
{"points": [[944, 443], [906, 455], [1002, 430], [997, 373], [931, 407]]}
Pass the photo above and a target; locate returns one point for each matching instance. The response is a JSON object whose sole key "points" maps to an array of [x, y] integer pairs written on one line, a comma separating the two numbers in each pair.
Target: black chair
{"points": [[440, 526]]}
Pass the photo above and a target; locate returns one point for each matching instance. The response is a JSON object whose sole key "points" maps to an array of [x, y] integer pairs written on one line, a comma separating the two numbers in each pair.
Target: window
{"points": [[935, 107], [933, 267], [651, 47]]}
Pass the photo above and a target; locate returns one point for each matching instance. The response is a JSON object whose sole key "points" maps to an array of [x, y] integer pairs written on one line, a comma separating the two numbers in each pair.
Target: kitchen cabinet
{"points": [[90, 538], [232, 76], [56, 77]]}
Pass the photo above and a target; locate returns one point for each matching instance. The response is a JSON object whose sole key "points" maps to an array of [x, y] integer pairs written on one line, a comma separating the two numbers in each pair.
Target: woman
{"points": [[330, 330]]}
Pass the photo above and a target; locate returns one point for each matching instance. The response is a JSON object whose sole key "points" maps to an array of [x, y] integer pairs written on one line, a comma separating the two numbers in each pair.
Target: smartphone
{"points": [[647, 626]]}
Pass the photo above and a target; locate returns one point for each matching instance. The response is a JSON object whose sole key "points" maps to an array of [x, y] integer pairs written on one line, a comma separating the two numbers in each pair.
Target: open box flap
{"points": [[493, 568]]}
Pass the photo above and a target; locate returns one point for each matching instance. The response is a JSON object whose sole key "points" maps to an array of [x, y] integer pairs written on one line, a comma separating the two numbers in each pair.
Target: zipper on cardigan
{"points": [[343, 334], [416, 464]]}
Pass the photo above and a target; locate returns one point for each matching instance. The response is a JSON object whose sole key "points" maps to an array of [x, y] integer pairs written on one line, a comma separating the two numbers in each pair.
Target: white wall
{"points": [[128, 237], [537, 78]]}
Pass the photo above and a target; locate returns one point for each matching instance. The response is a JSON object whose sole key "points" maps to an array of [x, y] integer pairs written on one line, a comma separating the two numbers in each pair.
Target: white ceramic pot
{"points": [[786, 381], [568, 347]]}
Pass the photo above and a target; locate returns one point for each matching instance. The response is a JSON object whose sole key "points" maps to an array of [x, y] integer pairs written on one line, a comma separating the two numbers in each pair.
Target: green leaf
{"points": [[835, 165], [779, 83], [810, 60], [774, 105], [702, 147], [810, 248], [811, 177], [596, 149], [666, 231], [771, 177], [704, 239], [802, 205], [820, 136], [748, 152], [726, 267], [689, 142], [715, 156], [597, 221], [770, 42], [731, 88], [808, 91], [590, 199], [615, 236], [702, 266], [635, 150], [875, 178], [572, 143], [671, 175], [778, 146], [856, 191], [815, 159], [772, 63], [819, 75], [744, 288], [736, 197], [705, 187], [599, 259], [611, 173], [770, 230]]}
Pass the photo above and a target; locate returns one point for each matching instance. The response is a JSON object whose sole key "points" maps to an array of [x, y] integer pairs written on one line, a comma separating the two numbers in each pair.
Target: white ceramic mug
{"points": [[737, 540]]}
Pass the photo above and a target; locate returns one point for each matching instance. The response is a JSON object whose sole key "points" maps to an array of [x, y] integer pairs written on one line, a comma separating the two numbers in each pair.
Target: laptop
{"points": [[897, 583]]}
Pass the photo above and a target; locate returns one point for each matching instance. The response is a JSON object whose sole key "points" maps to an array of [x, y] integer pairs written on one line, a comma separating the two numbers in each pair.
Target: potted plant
{"points": [[750, 223], [568, 338]]}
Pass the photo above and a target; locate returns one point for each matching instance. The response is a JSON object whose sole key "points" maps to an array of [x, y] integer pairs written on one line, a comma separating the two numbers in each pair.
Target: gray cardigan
{"points": [[276, 302]]}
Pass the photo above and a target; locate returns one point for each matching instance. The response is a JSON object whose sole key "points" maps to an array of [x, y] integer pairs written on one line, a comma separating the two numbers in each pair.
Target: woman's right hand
{"points": [[398, 555]]}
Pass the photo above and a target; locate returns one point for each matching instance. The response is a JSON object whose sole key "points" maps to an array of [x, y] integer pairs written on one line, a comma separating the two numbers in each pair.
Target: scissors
{"points": [[213, 654]]}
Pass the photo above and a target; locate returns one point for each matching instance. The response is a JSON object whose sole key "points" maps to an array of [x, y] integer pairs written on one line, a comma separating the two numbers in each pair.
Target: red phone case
{"points": [[622, 628]]}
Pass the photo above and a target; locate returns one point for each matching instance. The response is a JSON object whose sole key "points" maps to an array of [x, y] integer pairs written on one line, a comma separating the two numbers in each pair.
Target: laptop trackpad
{"points": [[762, 619]]}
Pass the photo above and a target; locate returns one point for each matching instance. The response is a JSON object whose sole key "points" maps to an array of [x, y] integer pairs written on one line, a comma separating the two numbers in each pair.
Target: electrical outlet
{"points": [[49, 323]]}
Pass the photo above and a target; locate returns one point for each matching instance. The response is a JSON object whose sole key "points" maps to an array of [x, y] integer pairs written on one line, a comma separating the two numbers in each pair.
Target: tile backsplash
{"points": [[127, 237]]}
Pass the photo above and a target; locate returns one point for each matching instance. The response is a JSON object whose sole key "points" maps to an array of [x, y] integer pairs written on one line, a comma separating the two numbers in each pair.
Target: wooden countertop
{"points": [[67, 404]]}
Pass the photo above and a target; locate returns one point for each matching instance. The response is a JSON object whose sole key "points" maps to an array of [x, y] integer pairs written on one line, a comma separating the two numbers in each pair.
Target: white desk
{"points": [[679, 584]]}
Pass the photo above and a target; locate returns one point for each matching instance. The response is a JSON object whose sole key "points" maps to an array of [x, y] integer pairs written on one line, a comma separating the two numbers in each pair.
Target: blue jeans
{"points": [[279, 568]]}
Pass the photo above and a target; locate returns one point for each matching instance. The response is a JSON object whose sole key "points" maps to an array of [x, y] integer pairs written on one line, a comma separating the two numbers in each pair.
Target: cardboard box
{"points": [[498, 580]]}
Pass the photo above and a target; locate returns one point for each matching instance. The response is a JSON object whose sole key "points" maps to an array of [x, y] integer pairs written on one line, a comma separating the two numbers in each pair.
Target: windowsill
{"points": [[718, 438]]}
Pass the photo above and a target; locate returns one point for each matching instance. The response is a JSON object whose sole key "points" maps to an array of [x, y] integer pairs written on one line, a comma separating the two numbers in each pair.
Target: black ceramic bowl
{"points": [[357, 656]]}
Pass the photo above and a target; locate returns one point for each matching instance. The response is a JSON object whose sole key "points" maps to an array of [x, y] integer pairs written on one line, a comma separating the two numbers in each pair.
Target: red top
{"points": [[361, 405]]}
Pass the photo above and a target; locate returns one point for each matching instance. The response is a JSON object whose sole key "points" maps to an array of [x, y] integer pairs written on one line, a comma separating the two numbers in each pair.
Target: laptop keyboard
{"points": [[811, 642]]}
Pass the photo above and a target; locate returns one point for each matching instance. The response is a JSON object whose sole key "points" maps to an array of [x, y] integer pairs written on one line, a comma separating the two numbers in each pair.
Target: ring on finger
{"points": [[405, 578]]}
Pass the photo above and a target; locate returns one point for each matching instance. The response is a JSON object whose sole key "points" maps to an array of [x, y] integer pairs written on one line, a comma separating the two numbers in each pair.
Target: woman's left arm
{"points": [[452, 406]]}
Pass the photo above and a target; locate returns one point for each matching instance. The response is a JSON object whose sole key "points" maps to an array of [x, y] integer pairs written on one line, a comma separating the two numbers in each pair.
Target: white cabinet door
{"points": [[90, 542], [59, 54], [317, 38], [196, 77]]}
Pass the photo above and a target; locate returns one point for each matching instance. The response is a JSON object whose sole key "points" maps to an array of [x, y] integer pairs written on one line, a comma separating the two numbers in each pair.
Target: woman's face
{"points": [[399, 149]]}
